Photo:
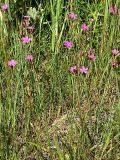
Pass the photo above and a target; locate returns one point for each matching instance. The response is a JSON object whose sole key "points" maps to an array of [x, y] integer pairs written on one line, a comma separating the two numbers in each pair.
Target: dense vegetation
{"points": [[59, 80]]}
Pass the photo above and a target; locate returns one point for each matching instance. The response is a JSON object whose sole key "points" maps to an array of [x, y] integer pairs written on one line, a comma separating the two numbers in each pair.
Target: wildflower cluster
{"points": [[82, 70], [25, 40], [69, 44]]}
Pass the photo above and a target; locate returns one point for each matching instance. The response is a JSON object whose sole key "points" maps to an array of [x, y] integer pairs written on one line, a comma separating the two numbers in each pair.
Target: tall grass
{"points": [[46, 112]]}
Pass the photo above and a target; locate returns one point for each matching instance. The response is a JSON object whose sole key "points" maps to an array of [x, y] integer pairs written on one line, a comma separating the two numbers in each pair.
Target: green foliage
{"points": [[46, 112]]}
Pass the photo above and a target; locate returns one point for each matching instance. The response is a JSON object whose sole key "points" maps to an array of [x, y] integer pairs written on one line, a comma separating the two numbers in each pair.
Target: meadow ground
{"points": [[60, 80]]}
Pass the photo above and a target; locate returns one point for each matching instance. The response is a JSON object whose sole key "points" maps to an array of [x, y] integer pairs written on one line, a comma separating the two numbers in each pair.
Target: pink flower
{"points": [[115, 52], [73, 69], [84, 70], [30, 28], [113, 10], [72, 16], [5, 7], [68, 44], [85, 27], [12, 63], [26, 17], [115, 64], [29, 57], [90, 51], [91, 56], [26, 39]]}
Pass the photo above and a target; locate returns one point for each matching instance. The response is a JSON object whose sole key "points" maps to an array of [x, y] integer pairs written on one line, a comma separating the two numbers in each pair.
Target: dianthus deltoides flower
{"points": [[26, 17], [30, 28], [73, 69], [115, 52], [72, 16], [68, 44], [29, 57], [90, 51], [12, 63], [25, 21], [85, 27], [113, 10], [5, 7], [91, 56], [114, 64], [26, 39], [83, 70]]}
